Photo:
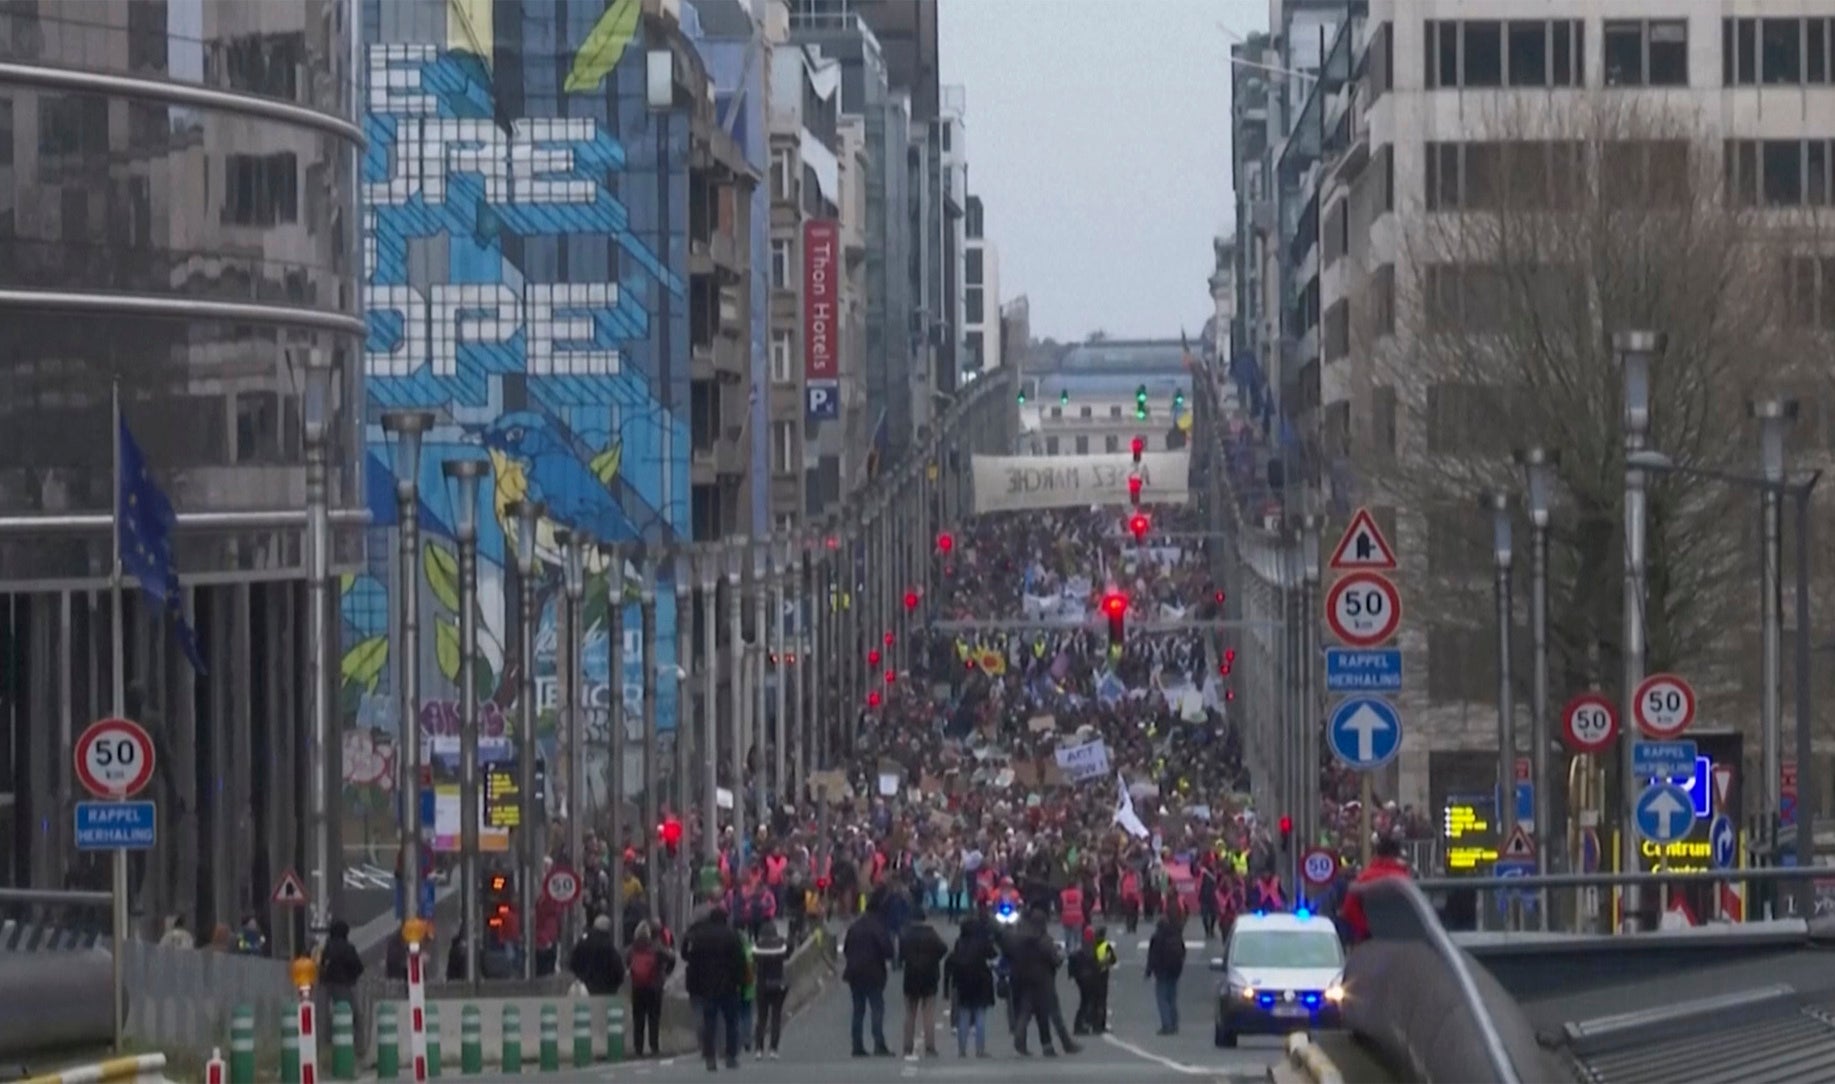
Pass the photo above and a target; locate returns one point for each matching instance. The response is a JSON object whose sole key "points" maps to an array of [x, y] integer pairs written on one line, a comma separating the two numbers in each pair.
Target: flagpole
{"points": [[118, 668]]}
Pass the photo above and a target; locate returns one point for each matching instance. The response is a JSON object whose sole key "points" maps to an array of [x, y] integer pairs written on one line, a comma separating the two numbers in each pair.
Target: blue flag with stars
{"points": [[144, 535]]}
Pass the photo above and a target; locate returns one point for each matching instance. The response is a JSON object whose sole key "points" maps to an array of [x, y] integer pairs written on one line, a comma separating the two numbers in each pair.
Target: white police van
{"points": [[1281, 973]]}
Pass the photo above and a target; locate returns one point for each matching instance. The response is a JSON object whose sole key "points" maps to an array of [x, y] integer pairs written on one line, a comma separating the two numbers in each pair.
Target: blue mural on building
{"points": [[524, 237]]}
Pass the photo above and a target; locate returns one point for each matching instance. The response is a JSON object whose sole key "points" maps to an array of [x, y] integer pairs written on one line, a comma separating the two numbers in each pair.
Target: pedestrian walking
{"points": [[649, 967], [769, 956], [716, 970], [1165, 963], [968, 980], [921, 951], [868, 953]]}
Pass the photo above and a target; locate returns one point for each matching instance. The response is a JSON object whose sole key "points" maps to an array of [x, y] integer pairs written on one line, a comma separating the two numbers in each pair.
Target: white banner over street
{"points": [[1033, 482]]}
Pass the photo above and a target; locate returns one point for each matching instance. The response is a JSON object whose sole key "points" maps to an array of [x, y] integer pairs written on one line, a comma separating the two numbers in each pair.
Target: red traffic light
{"points": [[670, 831], [1137, 446], [891, 676], [890, 639], [873, 657], [1229, 654], [1134, 488], [911, 600], [970, 663], [1137, 526], [832, 542], [1286, 826], [1223, 668], [1219, 597], [873, 699], [1115, 604], [945, 543], [1229, 694]]}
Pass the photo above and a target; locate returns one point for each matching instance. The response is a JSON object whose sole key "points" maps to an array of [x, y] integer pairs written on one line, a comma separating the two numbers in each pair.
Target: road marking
{"points": [[1142, 1052], [1141, 946]]}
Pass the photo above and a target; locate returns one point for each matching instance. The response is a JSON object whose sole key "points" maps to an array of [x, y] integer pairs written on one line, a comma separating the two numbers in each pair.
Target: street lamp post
{"points": [[653, 567], [736, 551], [681, 792], [1772, 415], [529, 833], [1635, 350], [567, 668], [1309, 665], [1499, 505], [615, 725], [466, 476], [710, 704], [780, 631], [761, 603], [320, 743], [409, 427], [1539, 476]]}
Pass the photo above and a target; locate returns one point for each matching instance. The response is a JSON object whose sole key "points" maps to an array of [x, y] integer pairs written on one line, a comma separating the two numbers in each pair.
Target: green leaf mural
{"points": [[596, 605], [442, 571], [446, 647], [363, 663], [604, 47]]}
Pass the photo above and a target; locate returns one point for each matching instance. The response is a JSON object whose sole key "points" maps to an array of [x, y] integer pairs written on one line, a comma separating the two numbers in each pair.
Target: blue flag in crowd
{"points": [[144, 536]]}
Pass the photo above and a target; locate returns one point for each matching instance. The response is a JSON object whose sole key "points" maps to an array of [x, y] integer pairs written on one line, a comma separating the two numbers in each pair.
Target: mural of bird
{"points": [[532, 460]]}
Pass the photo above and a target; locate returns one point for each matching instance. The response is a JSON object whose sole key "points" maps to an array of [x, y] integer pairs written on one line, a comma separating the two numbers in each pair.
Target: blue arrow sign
{"points": [[1365, 732], [1723, 841], [1515, 867], [1662, 759], [1349, 670], [110, 826], [1664, 813]]}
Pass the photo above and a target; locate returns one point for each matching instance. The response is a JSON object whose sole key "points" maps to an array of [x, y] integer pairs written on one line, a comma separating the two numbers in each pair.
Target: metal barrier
{"points": [[1594, 915]]}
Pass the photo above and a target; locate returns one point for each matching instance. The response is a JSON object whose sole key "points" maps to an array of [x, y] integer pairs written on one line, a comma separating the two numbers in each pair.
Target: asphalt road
{"points": [[816, 1044]]}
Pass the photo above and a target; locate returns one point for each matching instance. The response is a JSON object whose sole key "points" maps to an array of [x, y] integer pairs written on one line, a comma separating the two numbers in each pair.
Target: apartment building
{"points": [[1087, 401], [981, 322], [1416, 112]]}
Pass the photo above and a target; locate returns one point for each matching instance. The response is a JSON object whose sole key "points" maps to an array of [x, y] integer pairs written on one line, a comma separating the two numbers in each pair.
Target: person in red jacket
{"points": [[1386, 862]]}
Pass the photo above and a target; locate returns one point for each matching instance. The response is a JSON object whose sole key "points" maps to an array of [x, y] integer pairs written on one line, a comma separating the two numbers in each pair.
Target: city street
{"points": [[815, 1047]]}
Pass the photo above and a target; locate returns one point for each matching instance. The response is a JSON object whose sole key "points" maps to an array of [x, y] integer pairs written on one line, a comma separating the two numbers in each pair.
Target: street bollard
{"points": [[388, 1043], [471, 1041], [551, 1039], [433, 1045], [242, 1045], [512, 1040], [215, 1069], [343, 1041], [614, 1032], [582, 1034], [289, 1044]]}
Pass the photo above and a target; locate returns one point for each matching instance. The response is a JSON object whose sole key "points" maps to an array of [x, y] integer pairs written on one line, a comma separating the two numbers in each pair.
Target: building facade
{"points": [[180, 221], [1088, 400], [981, 322]]}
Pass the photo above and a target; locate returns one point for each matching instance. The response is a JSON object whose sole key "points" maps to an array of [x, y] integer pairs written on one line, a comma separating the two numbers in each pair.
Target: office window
{"points": [[1528, 53], [1520, 53], [781, 187], [1381, 314], [1778, 172], [1057, 413], [1083, 445], [977, 350], [1086, 413], [783, 447], [1114, 412], [1338, 330], [973, 260], [1464, 297], [1567, 53], [1051, 445], [1484, 54], [1780, 51], [783, 368], [1111, 443], [1640, 53], [780, 265], [1781, 170], [1775, 52], [1463, 419], [1383, 421], [974, 305], [1644, 173]]}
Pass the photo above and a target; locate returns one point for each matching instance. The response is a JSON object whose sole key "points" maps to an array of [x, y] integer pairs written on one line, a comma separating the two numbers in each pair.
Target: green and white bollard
{"points": [[433, 1043], [551, 1039], [582, 1033], [242, 1045], [388, 1043], [512, 1040], [289, 1043], [343, 1042], [614, 1032], [471, 1041]]}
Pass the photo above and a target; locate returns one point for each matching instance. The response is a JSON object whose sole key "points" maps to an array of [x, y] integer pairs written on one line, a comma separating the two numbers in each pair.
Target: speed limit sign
{"points": [[1364, 609], [1664, 706], [1589, 723], [114, 758], [561, 885], [1319, 866]]}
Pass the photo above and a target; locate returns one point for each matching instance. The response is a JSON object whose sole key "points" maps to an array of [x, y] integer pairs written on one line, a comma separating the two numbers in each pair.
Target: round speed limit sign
{"points": [[1664, 705], [114, 758], [1589, 723], [562, 885], [1319, 866], [1364, 609]]}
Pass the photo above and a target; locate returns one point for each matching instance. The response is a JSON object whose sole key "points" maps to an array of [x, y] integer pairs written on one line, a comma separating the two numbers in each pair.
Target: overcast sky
{"points": [[1098, 140]]}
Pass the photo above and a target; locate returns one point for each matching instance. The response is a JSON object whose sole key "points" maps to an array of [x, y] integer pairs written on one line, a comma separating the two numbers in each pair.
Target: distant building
{"points": [[981, 312], [1087, 401]]}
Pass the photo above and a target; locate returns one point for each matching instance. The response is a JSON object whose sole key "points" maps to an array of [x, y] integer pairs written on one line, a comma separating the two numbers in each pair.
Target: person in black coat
{"points": [[868, 952], [968, 979], [1165, 963], [921, 950], [1036, 957], [770, 953], [716, 974], [595, 960]]}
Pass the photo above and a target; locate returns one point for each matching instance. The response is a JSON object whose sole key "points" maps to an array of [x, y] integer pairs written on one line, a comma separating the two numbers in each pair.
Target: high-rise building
{"points": [[981, 311], [178, 219]]}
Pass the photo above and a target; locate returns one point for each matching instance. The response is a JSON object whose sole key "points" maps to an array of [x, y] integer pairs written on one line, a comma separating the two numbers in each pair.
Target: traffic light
{"points": [[1229, 694], [1115, 608], [1137, 526], [1286, 832], [891, 676], [873, 698], [1134, 489], [1138, 445], [1218, 597], [1178, 399], [945, 543], [1140, 401], [669, 834], [1224, 668], [1229, 654], [1022, 397], [872, 658], [1064, 397], [890, 639], [911, 600]]}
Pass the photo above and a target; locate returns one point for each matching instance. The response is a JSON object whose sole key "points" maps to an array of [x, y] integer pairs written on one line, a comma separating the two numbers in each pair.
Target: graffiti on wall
{"points": [[513, 293]]}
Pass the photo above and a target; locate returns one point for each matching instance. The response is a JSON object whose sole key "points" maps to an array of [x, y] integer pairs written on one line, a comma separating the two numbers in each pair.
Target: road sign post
{"points": [[1589, 723], [562, 886], [1363, 546], [1664, 813], [1365, 732], [115, 761], [1319, 867], [1665, 706]]}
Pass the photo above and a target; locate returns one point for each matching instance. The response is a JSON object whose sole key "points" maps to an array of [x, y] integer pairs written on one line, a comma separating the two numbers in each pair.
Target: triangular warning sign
{"points": [[1519, 845], [289, 891], [1363, 545], [1723, 785]]}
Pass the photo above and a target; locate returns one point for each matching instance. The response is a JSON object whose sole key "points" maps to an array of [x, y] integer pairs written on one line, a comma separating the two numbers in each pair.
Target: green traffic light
{"points": [[1064, 398]]}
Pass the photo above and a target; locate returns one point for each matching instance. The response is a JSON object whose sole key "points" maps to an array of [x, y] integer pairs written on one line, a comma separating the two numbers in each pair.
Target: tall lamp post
{"points": [[1499, 505], [408, 427], [613, 555], [653, 567], [527, 514], [320, 743], [1634, 349], [1309, 664], [780, 633], [1772, 415], [1539, 466], [567, 668], [736, 551], [710, 704], [761, 604], [464, 476]]}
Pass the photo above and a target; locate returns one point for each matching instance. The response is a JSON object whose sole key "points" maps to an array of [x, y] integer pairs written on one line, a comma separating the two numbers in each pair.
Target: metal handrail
{"points": [[250, 519], [56, 897], [1435, 935], [1587, 880]]}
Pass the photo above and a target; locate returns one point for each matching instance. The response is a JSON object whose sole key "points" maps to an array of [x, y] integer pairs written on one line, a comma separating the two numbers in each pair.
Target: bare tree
{"points": [[1532, 243]]}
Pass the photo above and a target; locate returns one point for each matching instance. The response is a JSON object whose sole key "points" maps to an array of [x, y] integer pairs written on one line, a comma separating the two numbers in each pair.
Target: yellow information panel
{"points": [[502, 800], [1468, 835]]}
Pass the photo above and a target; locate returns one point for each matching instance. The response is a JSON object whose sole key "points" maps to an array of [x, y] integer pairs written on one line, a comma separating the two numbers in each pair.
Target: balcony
{"points": [[725, 251], [731, 456]]}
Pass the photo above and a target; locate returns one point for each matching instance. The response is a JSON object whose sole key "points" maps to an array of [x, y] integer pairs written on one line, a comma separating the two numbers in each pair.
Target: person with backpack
{"points": [[769, 955], [968, 981], [647, 969]]}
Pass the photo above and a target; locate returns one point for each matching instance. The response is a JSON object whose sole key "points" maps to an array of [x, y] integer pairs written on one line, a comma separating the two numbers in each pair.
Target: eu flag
{"points": [[143, 536]]}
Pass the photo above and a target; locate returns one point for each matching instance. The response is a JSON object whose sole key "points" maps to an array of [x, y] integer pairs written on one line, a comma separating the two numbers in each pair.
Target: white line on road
{"points": [[1141, 946], [1157, 1059]]}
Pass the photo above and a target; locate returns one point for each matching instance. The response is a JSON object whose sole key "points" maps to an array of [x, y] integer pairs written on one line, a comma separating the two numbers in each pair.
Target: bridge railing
{"points": [[1602, 902]]}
